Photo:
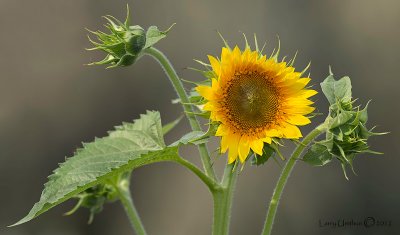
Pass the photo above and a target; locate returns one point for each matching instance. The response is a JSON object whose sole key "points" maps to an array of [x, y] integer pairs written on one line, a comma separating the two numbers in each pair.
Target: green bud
{"points": [[347, 134], [124, 43]]}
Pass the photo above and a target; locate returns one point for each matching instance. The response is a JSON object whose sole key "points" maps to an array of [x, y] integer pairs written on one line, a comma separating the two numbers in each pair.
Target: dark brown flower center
{"points": [[252, 102]]}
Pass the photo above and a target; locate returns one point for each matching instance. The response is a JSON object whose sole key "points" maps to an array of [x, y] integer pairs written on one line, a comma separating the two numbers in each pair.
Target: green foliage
{"points": [[124, 43], [347, 133], [101, 162]]}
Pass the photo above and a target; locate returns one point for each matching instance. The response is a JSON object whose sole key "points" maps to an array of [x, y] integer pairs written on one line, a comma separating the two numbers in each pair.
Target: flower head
{"points": [[255, 99]]}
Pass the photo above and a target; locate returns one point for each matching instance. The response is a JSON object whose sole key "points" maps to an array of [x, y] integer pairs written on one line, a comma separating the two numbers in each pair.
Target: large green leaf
{"points": [[129, 146]]}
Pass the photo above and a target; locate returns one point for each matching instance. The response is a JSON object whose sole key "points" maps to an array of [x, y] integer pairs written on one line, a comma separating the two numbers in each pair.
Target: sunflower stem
{"points": [[124, 195], [211, 184], [177, 84], [223, 201], [273, 205]]}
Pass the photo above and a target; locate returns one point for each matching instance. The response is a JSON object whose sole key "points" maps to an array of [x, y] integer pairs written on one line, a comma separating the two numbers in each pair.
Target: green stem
{"points": [[212, 185], [124, 195], [177, 84], [223, 201], [273, 205]]}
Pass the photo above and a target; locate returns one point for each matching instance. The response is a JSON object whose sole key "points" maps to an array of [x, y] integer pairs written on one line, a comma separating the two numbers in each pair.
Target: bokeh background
{"points": [[50, 102]]}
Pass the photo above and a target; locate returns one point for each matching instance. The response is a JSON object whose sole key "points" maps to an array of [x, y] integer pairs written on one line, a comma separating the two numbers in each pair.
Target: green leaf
{"points": [[318, 155], [128, 147], [153, 35], [336, 90]]}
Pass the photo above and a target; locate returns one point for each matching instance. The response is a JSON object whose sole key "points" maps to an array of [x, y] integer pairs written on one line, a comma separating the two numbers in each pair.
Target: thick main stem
{"points": [[124, 195], [273, 205], [177, 84], [223, 201]]}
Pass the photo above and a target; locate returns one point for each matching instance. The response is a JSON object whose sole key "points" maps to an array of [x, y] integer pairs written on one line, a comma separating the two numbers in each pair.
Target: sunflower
{"points": [[255, 100]]}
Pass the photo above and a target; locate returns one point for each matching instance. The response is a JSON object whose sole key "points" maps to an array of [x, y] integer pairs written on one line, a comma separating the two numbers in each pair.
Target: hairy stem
{"points": [[177, 84], [124, 195], [223, 201], [273, 205]]}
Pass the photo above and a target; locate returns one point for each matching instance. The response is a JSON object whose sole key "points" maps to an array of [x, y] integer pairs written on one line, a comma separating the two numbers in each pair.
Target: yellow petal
{"points": [[257, 146], [291, 132], [208, 106], [301, 110], [273, 133], [225, 54], [244, 148], [221, 131], [307, 93], [296, 101], [233, 142], [215, 65], [215, 86], [224, 144], [205, 91], [267, 140], [298, 120]]}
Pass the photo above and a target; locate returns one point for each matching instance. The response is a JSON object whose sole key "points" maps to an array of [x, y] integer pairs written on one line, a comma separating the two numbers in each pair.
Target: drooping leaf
{"points": [[131, 145]]}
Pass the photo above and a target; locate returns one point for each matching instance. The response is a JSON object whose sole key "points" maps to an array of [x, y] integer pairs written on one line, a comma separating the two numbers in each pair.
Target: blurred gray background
{"points": [[50, 102]]}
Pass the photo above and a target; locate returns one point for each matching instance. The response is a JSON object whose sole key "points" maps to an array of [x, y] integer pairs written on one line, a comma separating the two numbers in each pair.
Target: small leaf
{"points": [[153, 35], [318, 155], [337, 90]]}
